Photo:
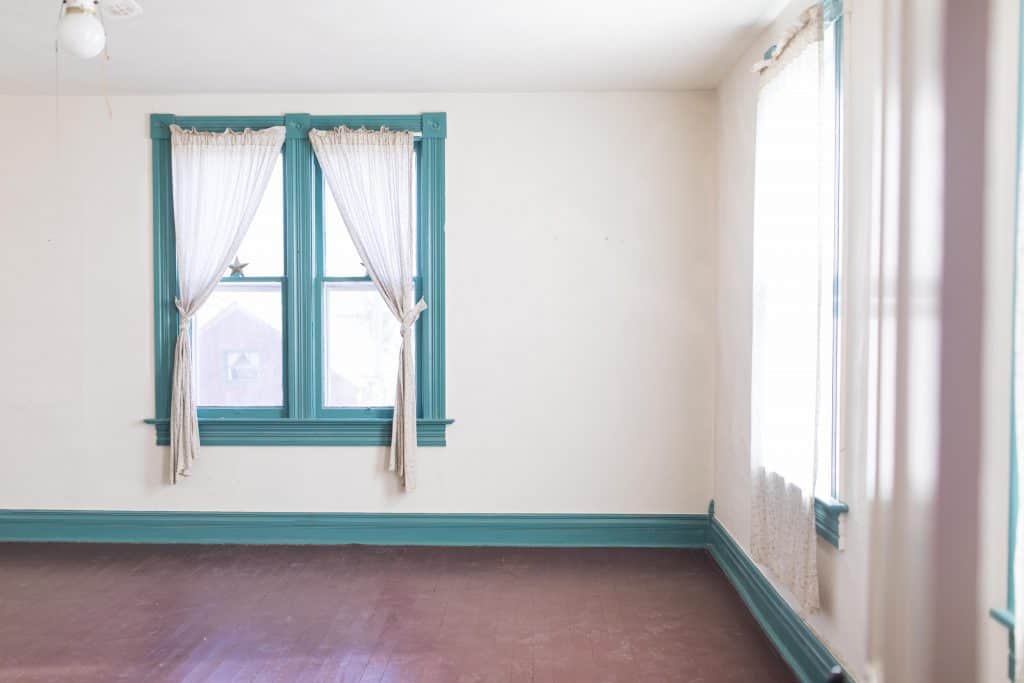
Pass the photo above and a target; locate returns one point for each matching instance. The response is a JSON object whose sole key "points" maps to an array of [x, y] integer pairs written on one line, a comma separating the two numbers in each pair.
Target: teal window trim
{"points": [[828, 509], [826, 518], [831, 10], [303, 420]]}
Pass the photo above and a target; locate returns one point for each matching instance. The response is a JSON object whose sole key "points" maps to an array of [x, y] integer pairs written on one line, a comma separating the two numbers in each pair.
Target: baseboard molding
{"points": [[806, 655], [809, 659], [661, 531]]}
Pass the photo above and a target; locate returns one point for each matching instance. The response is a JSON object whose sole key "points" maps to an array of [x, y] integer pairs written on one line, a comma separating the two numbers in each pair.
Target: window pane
{"points": [[340, 256], [263, 246], [238, 347], [361, 346]]}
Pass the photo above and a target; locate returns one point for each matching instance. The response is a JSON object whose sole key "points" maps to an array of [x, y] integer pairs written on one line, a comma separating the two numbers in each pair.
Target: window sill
{"points": [[826, 518], [289, 432], [1004, 617]]}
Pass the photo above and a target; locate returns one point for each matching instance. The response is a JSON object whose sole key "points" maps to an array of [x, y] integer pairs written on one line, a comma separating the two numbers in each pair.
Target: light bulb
{"points": [[80, 32]]}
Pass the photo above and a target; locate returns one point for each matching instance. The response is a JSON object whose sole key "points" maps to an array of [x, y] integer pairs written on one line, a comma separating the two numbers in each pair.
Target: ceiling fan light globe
{"points": [[81, 33]]}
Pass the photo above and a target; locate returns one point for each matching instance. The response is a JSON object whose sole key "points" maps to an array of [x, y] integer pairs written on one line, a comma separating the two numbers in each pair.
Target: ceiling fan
{"points": [[80, 29]]}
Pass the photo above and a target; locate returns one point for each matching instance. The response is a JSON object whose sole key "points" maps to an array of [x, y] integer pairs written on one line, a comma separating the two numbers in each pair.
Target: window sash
{"points": [[321, 279], [254, 411]]}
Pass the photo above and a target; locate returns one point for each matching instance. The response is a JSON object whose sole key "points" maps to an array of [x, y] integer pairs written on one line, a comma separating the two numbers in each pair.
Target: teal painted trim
{"points": [[826, 518], [301, 291], [165, 277], [805, 654], [293, 528], [435, 125], [379, 413], [1004, 617], [413, 123], [368, 431], [430, 124], [430, 339], [159, 128], [831, 10], [247, 280], [319, 208], [244, 412], [299, 255]]}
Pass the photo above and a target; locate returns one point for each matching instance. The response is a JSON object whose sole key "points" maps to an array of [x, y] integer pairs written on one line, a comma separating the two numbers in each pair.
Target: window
{"points": [[797, 348], [295, 346], [238, 333], [360, 338]]}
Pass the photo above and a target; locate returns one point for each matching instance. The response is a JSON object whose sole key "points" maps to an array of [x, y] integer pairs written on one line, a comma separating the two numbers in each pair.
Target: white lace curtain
{"points": [[218, 180], [792, 284], [371, 175]]}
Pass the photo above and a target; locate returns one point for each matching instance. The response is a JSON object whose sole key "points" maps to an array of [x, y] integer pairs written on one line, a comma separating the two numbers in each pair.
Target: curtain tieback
{"points": [[183, 317], [410, 318]]}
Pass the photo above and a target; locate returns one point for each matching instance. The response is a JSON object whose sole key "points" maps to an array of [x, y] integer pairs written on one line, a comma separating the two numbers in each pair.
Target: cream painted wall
{"points": [[581, 278], [842, 621], [1004, 51]]}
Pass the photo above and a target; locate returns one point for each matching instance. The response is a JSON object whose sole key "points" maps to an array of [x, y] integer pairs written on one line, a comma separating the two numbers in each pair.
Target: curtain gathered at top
{"points": [[792, 309], [218, 181], [371, 176]]}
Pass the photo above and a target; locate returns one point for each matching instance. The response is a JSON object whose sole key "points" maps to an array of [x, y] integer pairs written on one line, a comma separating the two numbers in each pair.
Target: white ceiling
{"points": [[388, 45]]}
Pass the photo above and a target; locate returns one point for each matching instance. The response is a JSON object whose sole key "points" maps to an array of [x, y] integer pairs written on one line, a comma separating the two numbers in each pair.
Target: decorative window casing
{"points": [[304, 416]]}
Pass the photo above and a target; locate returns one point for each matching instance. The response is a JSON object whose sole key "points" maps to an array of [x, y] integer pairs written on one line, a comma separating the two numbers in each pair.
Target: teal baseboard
{"points": [[294, 528], [805, 654], [809, 659]]}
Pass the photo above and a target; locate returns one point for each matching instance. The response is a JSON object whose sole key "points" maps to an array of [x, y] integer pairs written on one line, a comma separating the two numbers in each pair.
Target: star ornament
{"points": [[237, 268]]}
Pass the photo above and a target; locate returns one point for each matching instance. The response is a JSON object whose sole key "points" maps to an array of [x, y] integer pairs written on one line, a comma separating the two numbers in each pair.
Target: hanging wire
{"points": [[56, 80], [106, 61]]}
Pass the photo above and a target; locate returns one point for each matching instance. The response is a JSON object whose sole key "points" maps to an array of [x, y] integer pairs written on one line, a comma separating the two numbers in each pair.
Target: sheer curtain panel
{"points": [[371, 176], [792, 309], [218, 180]]}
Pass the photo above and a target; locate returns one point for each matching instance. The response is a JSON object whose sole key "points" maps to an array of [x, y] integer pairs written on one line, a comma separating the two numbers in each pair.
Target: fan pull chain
{"points": [[103, 68], [56, 99], [56, 84]]}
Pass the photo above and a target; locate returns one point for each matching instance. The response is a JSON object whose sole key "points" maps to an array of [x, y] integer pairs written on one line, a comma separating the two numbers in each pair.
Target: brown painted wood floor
{"points": [[356, 613]]}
